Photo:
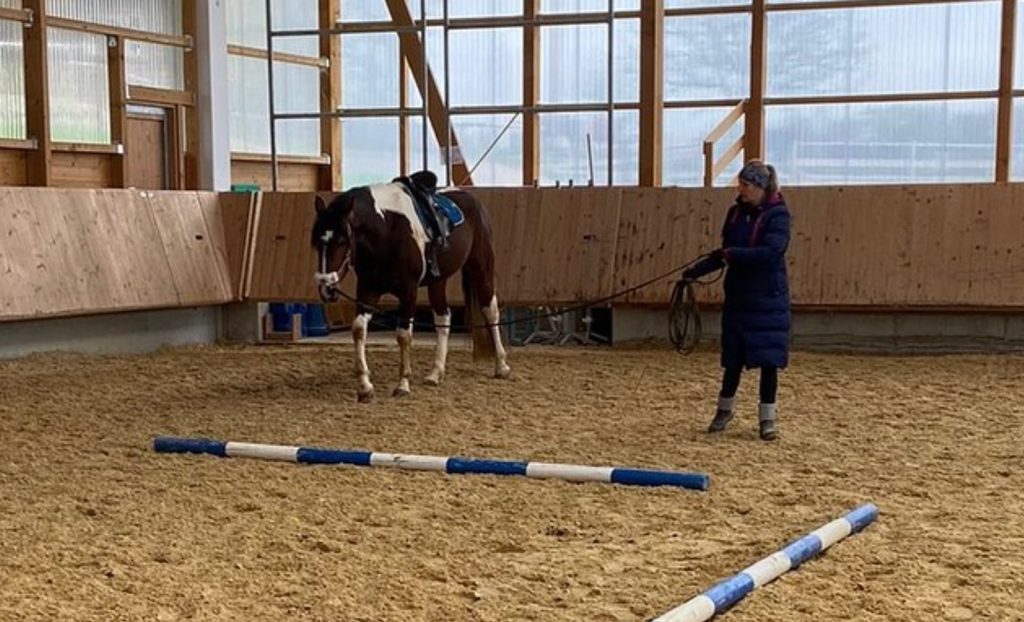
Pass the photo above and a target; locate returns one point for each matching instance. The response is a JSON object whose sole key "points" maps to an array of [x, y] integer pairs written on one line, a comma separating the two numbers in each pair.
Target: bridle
{"points": [[330, 282]]}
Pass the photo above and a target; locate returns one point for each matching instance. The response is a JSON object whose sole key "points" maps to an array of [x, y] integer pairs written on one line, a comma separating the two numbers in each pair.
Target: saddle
{"points": [[438, 213]]}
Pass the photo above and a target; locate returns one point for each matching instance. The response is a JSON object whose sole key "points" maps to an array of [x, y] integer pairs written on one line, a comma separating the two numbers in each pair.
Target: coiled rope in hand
{"points": [[684, 321]]}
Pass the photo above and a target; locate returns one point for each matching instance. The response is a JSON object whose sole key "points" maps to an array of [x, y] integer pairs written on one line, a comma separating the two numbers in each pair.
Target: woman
{"points": [[756, 314]]}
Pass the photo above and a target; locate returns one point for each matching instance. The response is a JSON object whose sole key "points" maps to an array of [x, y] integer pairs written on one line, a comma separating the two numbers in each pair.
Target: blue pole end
{"points": [[862, 516], [171, 445], [642, 477]]}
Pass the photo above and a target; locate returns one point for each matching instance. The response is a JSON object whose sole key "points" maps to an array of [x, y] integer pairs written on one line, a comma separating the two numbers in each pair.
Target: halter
{"points": [[330, 282]]}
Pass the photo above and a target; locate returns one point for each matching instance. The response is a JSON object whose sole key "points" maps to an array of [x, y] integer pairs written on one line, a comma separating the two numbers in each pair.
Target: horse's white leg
{"points": [[359, 330], [492, 314], [442, 324], [404, 337]]}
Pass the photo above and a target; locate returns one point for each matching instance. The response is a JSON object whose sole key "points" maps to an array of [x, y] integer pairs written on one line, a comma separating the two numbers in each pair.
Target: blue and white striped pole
{"points": [[732, 590], [312, 455]]}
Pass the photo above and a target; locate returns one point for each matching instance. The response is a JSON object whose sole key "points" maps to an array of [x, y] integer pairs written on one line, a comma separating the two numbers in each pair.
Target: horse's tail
{"points": [[478, 278], [483, 344]]}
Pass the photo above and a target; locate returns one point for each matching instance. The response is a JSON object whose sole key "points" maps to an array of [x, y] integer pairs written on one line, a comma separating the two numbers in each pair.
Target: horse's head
{"points": [[332, 238]]}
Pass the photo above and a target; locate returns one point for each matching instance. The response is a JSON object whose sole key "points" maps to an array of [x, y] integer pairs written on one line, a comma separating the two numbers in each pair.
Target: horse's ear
{"points": [[321, 205]]}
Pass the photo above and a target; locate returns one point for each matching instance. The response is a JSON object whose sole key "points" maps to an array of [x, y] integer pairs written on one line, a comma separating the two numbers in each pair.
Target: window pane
{"points": [[688, 4], [503, 166], [369, 151], [369, 70], [297, 89], [364, 11], [945, 47], [707, 57], [489, 66], [163, 16], [564, 153], [475, 8], [247, 24], [146, 64], [574, 64], [12, 81], [157, 66], [1017, 157], [586, 6], [435, 56], [377, 10], [626, 131], [1018, 64], [683, 141], [878, 143], [79, 99], [415, 155], [627, 60]]}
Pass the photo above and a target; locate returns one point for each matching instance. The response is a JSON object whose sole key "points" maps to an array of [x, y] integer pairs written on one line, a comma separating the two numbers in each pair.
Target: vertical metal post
{"points": [[611, 88], [426, 79], [270, 99], [447, 104]]}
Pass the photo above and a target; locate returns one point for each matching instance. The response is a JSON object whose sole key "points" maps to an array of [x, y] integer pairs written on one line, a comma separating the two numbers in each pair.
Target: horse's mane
{"points": [[332, 218]]}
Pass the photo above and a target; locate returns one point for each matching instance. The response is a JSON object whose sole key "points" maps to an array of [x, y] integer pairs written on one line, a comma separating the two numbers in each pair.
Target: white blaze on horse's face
{"points": [[392, 198]]}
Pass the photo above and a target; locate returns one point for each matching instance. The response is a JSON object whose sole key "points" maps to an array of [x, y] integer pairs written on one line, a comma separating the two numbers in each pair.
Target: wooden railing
{"points": [[713, 168]]}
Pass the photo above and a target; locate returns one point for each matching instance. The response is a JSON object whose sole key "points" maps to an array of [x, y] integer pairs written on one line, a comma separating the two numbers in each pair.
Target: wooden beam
{"points": [[415, 55], [702, 103], [754, 119], [652, 60], [730, 153], [242, 156], [176, 134], [190, 122], [403, 120], [16, 15], [37, 96], [160, 97], [1004, 124], [531, 95], [879, 98], [330, 97], [707, 10], [117, 85], [280, 57], [856, 4], [30, 144], [511, 21], [94, 148], [141, 36], [726, 124]]}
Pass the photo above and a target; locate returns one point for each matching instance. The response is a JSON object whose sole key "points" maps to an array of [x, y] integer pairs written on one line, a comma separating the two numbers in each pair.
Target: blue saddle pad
{"points": [[451, 211]]}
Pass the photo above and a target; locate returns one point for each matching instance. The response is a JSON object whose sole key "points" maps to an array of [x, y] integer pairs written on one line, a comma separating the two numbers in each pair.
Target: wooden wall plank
{"points": [[663, 228], [236, 210], [284, 261], [13, 167], [291, 177], [195, 245], [71, 252], [81, 170], [76, 252]]}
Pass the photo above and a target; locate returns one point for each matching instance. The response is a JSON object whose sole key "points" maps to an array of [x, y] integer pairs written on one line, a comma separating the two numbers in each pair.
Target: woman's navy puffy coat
{"points": [[756, 314]]}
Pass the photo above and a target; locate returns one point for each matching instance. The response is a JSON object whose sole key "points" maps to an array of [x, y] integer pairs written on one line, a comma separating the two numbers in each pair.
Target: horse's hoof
{"points": [[432, 381], [503, 372], [365, 398], [400, 392]]}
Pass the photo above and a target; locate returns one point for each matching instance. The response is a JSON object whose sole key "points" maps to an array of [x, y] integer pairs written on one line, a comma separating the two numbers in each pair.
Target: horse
{"points": [[375, 231]]}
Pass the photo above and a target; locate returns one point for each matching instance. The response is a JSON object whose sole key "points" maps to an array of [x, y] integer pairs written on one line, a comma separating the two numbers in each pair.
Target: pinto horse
{"points": [[376, 231]]}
